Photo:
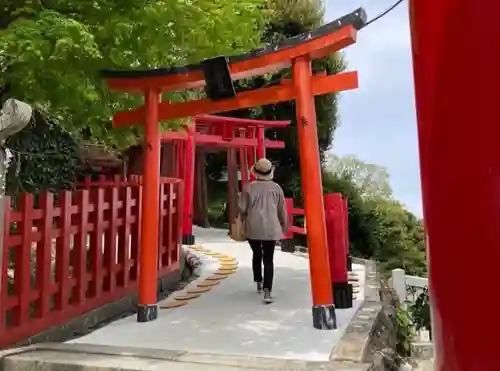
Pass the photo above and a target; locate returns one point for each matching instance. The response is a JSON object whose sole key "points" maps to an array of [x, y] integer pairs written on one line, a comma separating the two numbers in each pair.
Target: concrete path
{"points": [[230, 318]]}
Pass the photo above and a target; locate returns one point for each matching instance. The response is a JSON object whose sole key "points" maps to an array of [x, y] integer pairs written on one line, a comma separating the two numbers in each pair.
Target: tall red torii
{"points": [[228, 133], [217, 76], [456, 59]]}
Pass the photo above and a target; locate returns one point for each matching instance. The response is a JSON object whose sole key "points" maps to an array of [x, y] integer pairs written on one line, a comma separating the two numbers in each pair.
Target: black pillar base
{"points": [[342, 295], [324, 317], [147, 312], [349, 263], [188, 239], [287, 246]]}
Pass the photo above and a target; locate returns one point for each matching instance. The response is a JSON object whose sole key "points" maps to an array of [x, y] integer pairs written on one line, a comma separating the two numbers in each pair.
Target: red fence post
{"points": [[4, 268], [22, 258], [61, 299], [287, 243], [44, 254], [110, 242], [124, 237], [95, 247], [187, 222], [176, 214], [346, 226], [79, 252], [135, 231], [336, 231]]}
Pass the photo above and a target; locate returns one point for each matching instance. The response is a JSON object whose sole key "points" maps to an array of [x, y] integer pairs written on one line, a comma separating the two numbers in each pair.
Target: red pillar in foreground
{"points": [[336, 232], [187, 225], [456, 57], [147, 309], [323, 308]]}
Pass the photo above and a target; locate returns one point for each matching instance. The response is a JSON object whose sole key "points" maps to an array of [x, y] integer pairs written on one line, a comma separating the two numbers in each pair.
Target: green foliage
{"points": [[45, 157], [371, 180], [421, 312], [379, 227], [405, 333], [50, 52], [290, 18]]}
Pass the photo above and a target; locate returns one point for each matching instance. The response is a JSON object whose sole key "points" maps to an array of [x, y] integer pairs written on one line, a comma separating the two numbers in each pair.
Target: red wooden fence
{"points": [[292, 212], [65, 258]]}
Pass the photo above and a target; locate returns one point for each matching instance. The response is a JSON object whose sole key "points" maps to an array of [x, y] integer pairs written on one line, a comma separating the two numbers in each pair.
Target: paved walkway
{"points": [[230, 317]]}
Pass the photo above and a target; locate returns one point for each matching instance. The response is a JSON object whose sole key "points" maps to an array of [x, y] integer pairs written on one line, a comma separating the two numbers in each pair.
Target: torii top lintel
{"points": [[316, 44], [214, 139]]}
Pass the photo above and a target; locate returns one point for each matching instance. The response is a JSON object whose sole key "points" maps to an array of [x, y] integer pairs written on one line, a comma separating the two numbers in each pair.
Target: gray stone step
{"points": [[82, 357]]}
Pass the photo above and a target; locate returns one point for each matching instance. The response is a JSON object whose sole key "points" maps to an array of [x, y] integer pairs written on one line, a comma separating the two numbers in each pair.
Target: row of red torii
{"points": [[246, 137]]}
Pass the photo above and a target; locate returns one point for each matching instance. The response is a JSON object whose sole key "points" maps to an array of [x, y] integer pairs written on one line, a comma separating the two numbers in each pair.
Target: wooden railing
{"points": [[292, 213], [66, 254]]}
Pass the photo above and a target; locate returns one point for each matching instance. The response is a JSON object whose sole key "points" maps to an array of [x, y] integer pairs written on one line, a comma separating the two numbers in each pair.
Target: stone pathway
{"points": [[221, 313]]}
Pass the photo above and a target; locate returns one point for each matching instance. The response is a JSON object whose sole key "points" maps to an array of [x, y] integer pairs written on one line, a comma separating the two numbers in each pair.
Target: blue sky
{"points": [[377, 121]]}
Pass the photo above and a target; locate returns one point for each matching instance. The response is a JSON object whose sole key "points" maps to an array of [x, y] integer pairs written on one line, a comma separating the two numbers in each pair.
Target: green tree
{"points": [[290, 18], [379, 226], [50, 51], [372, 180]]}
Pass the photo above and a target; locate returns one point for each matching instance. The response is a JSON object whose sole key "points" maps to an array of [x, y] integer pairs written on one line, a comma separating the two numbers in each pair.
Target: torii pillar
{"points": [[217, 76], [456, 58]]}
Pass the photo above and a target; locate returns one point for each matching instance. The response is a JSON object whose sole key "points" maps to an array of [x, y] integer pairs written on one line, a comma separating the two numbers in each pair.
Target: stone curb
{"points": [[83, 357]]}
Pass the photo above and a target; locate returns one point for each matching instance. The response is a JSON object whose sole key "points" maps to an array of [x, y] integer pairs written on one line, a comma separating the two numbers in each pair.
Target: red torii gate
{"points": [[459, 134], [217, 76], [228, 133]]}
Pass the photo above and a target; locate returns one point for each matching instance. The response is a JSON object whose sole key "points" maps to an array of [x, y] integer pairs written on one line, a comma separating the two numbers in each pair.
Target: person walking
{"points": [[263, 210]]}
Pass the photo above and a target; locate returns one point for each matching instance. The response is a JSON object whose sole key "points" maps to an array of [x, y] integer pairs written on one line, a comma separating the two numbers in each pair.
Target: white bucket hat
{"points": [[263, 169]]}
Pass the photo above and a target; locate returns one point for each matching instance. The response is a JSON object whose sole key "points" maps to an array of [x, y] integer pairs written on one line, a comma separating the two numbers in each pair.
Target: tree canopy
{"points": [[372, 180], [50, 51]]}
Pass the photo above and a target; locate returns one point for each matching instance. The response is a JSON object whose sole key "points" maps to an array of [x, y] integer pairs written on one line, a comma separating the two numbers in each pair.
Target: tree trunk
{"points": [[200, 210]]}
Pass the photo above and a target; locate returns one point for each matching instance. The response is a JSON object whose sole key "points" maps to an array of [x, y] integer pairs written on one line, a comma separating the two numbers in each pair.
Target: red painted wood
{"points": [[79, 252], [177, 214], [22, 257], [243, 168], [460, 170], [135, 233], [62, 272], [190, 151], [346, 223], [289, 208], [261, 149], [316, 48], [336, 237], [71, 221], [169, 193], [5, 262], [124, 236], [163, 230], [95, 248], [44, 254], [167, 110], [110, 235], [240, 122]]}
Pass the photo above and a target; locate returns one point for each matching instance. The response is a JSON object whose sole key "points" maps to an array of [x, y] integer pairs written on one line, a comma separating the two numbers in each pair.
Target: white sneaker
{"points": [[268, 299]]}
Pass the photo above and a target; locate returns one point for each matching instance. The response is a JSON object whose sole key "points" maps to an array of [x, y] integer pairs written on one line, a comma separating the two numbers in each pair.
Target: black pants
{"points": [[263, 252]]}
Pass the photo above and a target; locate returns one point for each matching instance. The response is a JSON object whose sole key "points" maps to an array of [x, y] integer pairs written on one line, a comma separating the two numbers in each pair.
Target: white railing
{"points": [[408, 287]]}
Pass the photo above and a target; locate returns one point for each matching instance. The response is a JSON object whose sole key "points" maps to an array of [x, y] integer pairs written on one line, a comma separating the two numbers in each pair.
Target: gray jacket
{"points": [[262, 205]]}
